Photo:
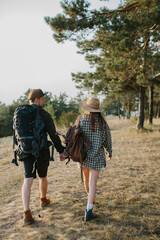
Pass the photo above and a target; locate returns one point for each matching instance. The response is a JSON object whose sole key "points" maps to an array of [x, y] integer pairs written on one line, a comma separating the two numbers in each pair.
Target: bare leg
{"points": [[43, 184], [93, 177], [26, 192], [86, 178]]}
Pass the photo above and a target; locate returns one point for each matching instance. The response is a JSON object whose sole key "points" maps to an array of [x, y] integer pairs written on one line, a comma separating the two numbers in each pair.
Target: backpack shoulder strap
{"points": [[78, 120], [77, 124], [35, 107], [71, 133]]}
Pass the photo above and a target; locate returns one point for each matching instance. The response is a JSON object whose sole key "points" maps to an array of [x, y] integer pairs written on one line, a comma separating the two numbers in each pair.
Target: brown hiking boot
{"points": [[44, 201], [28, 219]]}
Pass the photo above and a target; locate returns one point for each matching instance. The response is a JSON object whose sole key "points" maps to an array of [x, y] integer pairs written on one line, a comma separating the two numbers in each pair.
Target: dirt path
{"points": [[127, 202]]}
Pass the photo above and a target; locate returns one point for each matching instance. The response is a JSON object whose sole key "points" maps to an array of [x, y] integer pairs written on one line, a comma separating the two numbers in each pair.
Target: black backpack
{"points": [[28, 131]]}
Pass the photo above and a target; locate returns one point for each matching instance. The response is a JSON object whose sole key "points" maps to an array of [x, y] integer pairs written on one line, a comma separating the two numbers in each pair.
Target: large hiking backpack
{"points": [[28, 131], [77, 143]]}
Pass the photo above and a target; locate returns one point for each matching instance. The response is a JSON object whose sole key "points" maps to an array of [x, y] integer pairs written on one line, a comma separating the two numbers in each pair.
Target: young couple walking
{"points": [[98, 134]]}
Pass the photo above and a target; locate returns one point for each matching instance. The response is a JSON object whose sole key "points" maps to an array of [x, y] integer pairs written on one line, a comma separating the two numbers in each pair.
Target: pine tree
{"points": [[121, 45]]}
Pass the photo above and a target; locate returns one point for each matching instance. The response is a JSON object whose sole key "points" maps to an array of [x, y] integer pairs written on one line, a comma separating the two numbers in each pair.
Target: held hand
{"points": [[62, 157], [108, 159]]}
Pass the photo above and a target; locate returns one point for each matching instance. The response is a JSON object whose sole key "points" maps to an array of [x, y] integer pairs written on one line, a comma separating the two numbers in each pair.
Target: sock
{"points": [[89, 206]]}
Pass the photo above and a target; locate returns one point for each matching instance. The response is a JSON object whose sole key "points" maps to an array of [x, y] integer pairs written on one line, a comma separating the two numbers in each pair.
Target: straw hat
{"points": [[36, 93], [92, 105]]}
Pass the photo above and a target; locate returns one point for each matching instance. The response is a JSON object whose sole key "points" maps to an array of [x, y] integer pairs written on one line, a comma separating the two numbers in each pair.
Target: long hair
{"points": [[101, 121]]}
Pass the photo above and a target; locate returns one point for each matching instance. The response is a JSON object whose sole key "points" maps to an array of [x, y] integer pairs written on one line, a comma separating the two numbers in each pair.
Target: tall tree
{"points": [[119, 44]]}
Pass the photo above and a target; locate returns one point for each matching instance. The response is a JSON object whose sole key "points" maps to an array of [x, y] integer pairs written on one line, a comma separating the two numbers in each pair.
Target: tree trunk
{"points": [[156, 114], [124, 113], [119, 111], [150, 104], [158, 109], [140, 120], [128, 109]]}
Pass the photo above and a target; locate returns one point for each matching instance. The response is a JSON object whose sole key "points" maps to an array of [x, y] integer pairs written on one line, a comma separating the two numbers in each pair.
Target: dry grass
{"points": [[127, 201]]}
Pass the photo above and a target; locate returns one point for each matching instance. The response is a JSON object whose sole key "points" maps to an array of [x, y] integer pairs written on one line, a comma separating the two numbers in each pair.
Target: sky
{"points": [[29, 55]]}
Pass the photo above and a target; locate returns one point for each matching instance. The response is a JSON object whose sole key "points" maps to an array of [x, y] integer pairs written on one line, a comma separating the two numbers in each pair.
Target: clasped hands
{"points": [[62, 157]]}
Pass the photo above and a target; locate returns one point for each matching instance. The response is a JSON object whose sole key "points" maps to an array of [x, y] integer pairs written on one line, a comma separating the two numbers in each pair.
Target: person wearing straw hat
{"points": [[98, 134]]}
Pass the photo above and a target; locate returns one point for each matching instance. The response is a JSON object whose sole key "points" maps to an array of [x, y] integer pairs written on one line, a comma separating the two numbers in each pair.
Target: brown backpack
{"points": [[75, 143]]}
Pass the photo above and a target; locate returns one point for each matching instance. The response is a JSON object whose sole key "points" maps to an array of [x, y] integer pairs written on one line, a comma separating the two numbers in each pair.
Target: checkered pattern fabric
{"points": [[99, 141]]}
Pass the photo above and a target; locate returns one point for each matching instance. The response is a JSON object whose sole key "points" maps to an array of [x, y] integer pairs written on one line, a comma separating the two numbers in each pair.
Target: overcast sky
{"points": [[29, 56]]}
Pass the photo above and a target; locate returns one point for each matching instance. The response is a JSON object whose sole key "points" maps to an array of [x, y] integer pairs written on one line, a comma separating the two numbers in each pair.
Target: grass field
{"points": [[127, 200]]}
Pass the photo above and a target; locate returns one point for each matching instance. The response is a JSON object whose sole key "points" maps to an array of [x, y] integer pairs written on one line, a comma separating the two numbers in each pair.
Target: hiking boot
{"points": [[45, 201], [28, 219], [89, 215]]}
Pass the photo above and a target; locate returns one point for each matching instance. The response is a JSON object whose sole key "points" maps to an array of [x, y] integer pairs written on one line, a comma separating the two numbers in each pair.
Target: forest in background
{"points": [[64, 110]]}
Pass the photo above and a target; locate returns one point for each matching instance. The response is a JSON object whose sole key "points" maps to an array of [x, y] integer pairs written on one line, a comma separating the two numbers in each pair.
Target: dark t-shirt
{"points": [[50, 129]]}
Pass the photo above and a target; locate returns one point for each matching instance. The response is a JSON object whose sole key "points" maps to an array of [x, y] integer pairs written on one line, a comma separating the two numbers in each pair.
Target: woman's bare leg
{"points": [[86, 178], [93, 177]]}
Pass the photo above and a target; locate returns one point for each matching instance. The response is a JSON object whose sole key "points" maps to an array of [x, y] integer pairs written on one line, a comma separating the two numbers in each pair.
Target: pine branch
{"points": [[154, 27], [132, 86], [157, 75], [128, 8], [146, 43]]}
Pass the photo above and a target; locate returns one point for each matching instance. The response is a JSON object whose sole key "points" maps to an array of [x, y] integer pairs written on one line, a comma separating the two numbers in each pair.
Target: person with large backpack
{"points": [[97, 132], [31, 124]]}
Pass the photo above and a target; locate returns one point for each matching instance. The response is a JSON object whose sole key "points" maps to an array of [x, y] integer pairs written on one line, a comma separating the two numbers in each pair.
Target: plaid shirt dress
{"points": [[99, 141]]}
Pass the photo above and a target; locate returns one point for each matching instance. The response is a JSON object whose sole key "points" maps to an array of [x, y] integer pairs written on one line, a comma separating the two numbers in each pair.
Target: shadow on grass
{"points": [[135, 228], [137, 222]]}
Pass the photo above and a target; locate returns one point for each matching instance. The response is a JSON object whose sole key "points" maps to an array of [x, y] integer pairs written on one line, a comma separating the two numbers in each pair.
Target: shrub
{"points": [[67, 119]]}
